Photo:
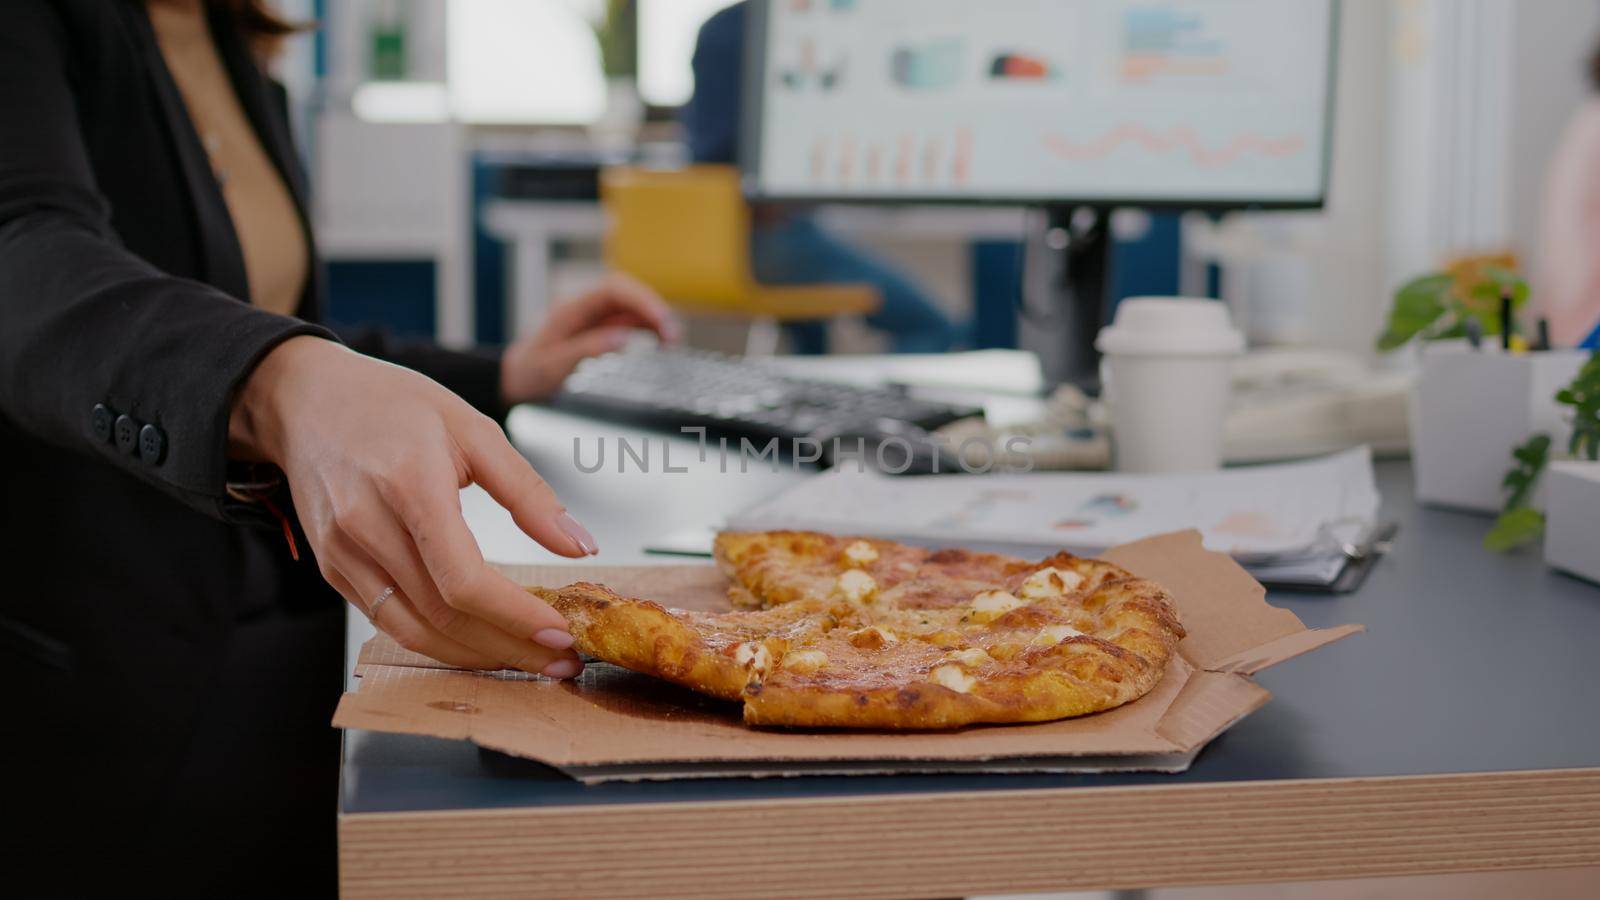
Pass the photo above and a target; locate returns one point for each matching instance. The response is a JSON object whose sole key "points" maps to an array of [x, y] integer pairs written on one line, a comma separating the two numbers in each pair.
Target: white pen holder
{"points": [[1471, 408], [1572, 518]]}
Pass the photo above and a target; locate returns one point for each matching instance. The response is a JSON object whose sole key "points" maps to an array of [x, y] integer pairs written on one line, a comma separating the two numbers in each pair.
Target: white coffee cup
{"points": [[1165, 365]]}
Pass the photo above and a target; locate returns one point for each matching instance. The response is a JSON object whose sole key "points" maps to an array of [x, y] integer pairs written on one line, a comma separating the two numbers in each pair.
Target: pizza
{"points": [[850, 632]]}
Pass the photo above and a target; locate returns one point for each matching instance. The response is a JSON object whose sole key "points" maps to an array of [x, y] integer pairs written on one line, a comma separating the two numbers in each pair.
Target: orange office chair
{"points": [[686, 233]]}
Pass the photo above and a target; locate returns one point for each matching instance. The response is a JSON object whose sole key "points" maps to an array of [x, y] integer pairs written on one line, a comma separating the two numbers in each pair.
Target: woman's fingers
{"points": [[498, 468], [403, 624], [558, 361], [618, 299], [385, 547], [431, 514], [597, 322], [631, 295]]}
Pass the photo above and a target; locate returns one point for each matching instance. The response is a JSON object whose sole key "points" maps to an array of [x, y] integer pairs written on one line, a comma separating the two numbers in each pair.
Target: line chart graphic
{"points": [[1178, 139]]}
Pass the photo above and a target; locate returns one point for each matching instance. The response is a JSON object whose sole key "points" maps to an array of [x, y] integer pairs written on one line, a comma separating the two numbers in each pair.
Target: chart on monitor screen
{"points": [[909, 98]]}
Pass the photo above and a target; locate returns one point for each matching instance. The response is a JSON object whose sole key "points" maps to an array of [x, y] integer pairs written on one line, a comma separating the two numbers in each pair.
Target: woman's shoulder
{"points": [[70, 19], [83, 33]]}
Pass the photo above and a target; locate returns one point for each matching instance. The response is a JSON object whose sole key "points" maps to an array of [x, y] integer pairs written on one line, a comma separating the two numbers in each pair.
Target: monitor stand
{"points": [[1065, 281]]}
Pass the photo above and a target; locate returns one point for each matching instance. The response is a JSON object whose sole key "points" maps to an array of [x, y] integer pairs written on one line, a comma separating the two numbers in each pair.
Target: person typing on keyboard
{"points": [[787, 244]]}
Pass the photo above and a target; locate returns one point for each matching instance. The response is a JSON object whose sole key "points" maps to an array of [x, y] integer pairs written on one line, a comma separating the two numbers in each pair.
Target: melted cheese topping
{"points": [[860, 553], [1050, 635], [805, 662], [753, 656], [873, 637], [856, 586], [952, 677], [972, 656], [991, 605], [1049, 582]]}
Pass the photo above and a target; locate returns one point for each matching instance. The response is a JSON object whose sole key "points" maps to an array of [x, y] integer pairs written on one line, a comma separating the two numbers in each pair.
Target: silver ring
{"points": [[378, 601]]}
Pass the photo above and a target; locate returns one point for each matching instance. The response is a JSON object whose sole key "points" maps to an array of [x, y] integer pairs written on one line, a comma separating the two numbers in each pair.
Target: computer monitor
{"points": [[1185, 103]]}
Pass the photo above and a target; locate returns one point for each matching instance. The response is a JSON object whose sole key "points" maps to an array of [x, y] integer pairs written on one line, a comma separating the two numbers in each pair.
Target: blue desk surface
{"points": [[1472, 662]]}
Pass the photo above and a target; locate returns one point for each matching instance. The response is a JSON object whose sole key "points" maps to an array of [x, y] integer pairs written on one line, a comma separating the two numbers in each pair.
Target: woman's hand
{"points": [[375, 457], [587, 325]]}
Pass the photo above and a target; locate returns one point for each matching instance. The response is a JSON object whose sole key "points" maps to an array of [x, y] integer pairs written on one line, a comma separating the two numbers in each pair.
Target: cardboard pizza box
{"points": [[612, 724]]}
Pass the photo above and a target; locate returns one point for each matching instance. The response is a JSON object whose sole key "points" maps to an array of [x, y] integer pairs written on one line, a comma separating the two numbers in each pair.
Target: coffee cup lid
{"points": [[1176, 326]]}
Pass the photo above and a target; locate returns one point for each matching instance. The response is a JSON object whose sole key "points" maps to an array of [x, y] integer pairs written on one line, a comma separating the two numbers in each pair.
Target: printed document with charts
{"points": [[1258, 514]]}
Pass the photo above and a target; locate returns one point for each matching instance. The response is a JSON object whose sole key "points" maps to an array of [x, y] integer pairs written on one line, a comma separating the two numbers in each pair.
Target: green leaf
{"points": [[1417, 304], [1533, 452], [1583, 395], [1430, 285], [1514, 528], [1524, 476], [1584, 444], [1501, 278], [1392, 339]]}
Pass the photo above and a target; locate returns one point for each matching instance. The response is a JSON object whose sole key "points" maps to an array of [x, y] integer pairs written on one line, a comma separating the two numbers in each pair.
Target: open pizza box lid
{"points": [[612, 724]]}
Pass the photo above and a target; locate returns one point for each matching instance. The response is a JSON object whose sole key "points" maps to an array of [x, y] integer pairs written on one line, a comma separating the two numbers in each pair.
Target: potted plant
{"points": [[1520, 522], [1472, 402], [1441, 304]]}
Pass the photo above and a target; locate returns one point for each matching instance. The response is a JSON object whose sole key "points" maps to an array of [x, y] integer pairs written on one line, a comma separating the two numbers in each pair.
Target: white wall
{"points": [[1483, 89], [1347, 285], [1319, 277], [1551, 44], [1448, 112]]}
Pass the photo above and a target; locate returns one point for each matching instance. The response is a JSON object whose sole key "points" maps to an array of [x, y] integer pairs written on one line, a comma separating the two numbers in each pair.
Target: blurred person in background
{"points": [[787, 244], [197, 471], [1568, 274]]}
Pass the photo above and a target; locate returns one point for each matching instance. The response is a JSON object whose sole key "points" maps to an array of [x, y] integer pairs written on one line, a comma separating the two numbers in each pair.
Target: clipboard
{"points": [[1347, 576]]}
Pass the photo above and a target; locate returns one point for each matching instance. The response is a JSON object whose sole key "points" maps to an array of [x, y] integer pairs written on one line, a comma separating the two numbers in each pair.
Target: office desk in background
{"points": [[1453, 736]]}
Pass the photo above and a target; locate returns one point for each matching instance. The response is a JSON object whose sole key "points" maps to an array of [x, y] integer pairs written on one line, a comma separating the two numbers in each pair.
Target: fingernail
{"points": [[562, 668], [671, 330], [554, 638], [616, 340], [579, 534]]}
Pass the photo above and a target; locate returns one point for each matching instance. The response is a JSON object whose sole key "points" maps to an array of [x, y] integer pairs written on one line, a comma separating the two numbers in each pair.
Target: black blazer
{"points": [[125, 328]]}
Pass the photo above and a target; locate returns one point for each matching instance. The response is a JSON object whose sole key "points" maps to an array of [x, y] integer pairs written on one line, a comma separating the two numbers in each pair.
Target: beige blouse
{"points": [[275, 255]]}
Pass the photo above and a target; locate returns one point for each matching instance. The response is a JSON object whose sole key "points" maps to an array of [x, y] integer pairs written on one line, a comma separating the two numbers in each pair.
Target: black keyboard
{"points": [[677, 388]]}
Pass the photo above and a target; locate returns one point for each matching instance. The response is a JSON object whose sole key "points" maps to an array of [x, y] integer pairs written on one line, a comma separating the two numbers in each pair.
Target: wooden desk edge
{"points": [[1003, 841]]}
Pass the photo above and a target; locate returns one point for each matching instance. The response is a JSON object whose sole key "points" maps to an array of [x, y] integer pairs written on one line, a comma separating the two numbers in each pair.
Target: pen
{"points": [[1505, 320]]}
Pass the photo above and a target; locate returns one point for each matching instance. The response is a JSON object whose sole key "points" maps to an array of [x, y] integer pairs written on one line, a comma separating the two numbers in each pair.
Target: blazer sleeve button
{"points": [[152, 445], [127, 435], [101, 420]]}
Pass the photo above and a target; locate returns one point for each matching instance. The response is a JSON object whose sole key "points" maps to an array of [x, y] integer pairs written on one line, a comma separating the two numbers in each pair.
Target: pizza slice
{"points": [[718, 654], [996, 658]]}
